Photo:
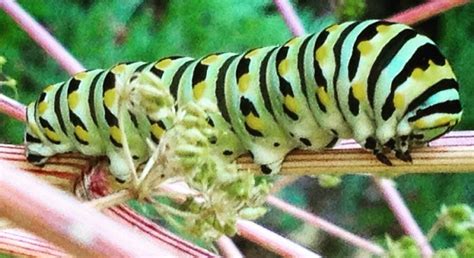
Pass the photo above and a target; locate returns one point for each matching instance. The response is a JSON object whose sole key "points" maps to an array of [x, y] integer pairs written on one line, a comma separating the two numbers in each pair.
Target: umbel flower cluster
{"points": [[214, 192]]}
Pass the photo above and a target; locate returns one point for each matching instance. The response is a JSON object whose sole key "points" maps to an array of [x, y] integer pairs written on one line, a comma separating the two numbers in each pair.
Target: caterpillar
{"points": [[380, 83]]}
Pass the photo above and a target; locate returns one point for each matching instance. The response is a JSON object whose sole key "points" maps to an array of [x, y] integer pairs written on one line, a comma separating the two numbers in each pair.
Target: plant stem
{"points": [[403, 215], [41, 36], [426, 11], [271, 240], [228, 249], [326, 226]]}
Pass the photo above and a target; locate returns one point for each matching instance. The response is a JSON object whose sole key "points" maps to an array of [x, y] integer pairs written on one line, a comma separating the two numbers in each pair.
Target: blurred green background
{"points": [[102, 33]]}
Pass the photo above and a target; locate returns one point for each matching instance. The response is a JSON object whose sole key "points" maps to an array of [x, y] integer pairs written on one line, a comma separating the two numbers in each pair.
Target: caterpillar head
{"points": [[433, 126]]}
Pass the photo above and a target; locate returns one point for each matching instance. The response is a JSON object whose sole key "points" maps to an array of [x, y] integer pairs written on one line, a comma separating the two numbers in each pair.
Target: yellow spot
{"points": [[80, 76], [333, 28], [293, 42], [48, 88], [383, 28], [358, 89], [244, 82], [399, 100], [417, 74], [198, 90], [81, 133], [445, 120], [283, 67], [254, 122], [42, 107], [321, 53], [291, 104], [118, 69], [210, 59], [252, 53], [163, 64], [323, 96], [364, 47], [115, 134], [157, 131], [420, 124], [52, 135], [109, 98], [73, 99]]}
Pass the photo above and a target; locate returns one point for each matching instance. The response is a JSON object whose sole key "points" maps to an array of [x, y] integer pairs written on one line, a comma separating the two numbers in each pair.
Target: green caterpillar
{"points": [[380, 83]]}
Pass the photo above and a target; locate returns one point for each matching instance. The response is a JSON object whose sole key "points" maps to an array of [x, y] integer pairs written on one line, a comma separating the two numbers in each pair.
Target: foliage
{"points": [[458, 220]]}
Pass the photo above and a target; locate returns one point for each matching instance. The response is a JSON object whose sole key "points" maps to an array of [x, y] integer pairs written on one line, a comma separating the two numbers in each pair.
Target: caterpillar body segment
{"points": [[380, 83]]}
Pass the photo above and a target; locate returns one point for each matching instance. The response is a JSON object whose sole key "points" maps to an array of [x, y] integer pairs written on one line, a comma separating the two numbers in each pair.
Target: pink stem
{"points": [[41, 36], [227, 248], [271, 241], [12, 108], [290, 17], [61, 219], [326, 226], [425, 11], [403, 215]]}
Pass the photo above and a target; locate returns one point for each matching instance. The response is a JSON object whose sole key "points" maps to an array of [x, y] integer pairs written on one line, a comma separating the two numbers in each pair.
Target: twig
{"points": [[291, 18], [408, 223], [426, 11], [272, 241], [227, 248], [51, 214], [12, 108], [326, 226], [41, 36]]}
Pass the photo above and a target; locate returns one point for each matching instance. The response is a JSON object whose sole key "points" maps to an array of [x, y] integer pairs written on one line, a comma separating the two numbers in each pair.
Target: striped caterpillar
{"points": [[382, 84]]}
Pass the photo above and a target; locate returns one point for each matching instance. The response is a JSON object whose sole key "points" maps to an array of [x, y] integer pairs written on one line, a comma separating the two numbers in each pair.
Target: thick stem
{"points": [[58, 217]]}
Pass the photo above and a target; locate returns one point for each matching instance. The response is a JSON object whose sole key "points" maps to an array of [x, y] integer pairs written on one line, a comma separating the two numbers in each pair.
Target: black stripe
{"points": [[57, 108], [337, 55], [142, 66], [91, 99], [220, 88], [31, 138], [384, 58], [243, 66], [353, 102], [45, 124], [109, 82], [285, 86], [247, 108], [263, 81], [447, 107], [76, 121], [199, 73], [444, 84], [133, 118], [177, 77], [301, 65], [366, 34], [73, 86], [318, 72], [420, 59], [156, 71]]}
